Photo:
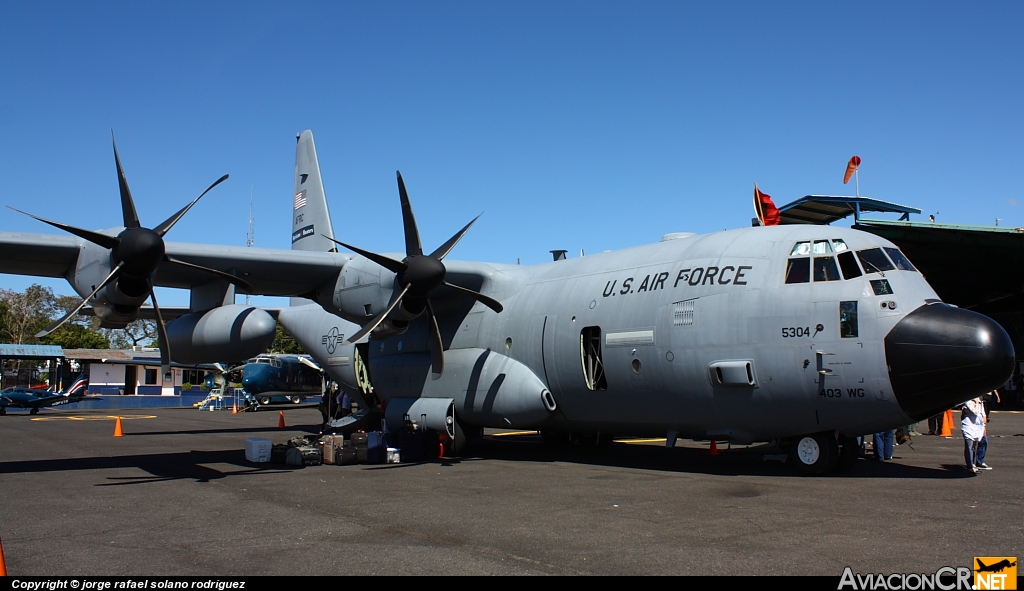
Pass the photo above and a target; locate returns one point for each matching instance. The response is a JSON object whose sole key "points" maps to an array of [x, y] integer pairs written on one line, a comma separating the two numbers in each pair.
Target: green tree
{"points": [[22, 315], [76, 336], [284, 343]]}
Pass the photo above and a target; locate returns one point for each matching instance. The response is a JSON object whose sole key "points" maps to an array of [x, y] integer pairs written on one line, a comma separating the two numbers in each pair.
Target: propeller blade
{"points": [[436, 346], [388, 263], [169, 222], [447, 247], [95, 237], [489, 302], [310, 364], [131, 218], [56, 325], [380, 318], [412, 233], [165, 346], [237, 281]]}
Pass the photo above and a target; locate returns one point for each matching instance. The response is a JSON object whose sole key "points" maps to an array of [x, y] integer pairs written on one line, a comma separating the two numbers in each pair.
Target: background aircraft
{"points": [[805, 335], [35, 399], [281, 378]]}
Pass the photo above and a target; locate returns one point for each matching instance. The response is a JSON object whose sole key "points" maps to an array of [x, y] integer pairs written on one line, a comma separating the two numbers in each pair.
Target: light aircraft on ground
{"points": [[35, 399], [281, 378], [805, 335]]}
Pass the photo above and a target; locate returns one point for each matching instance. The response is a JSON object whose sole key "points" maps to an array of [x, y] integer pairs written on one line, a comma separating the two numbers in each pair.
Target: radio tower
{"points": [[250, 237]]}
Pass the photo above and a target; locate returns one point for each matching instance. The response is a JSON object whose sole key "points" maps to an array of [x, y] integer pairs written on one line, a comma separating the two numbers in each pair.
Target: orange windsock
{"points": [[765, 208], [851, 168]]}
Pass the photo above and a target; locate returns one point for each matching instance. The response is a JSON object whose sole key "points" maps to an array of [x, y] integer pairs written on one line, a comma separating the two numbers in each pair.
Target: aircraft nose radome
{"points": [[939, 356]]}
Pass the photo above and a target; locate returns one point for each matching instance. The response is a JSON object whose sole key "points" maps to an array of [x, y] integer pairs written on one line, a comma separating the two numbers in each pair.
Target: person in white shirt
{"points": [[972, 423]]}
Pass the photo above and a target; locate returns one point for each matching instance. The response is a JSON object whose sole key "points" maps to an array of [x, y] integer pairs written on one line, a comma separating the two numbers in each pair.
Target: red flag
{"points": [[765, 208], [851, 168]]}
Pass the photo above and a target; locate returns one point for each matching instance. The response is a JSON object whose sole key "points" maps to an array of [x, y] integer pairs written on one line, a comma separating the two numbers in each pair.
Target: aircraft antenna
{"points": [[250, 237]]}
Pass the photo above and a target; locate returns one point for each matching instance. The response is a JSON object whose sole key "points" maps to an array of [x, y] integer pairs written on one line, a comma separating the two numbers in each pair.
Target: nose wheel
{"points": [[814, 455]]}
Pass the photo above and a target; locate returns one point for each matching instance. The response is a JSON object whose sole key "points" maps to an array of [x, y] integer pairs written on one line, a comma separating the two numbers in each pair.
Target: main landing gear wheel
{"points": [[814, 455], [265, 400], [849, 452], [3, 412], [34, 411], [297, 399]]}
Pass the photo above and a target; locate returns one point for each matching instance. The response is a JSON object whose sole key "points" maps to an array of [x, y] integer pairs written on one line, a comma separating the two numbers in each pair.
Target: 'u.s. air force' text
{"points": [[727, 275]]}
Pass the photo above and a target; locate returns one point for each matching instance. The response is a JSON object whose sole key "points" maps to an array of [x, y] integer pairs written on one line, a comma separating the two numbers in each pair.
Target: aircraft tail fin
{"points": [[311, 219], [80, 387]]}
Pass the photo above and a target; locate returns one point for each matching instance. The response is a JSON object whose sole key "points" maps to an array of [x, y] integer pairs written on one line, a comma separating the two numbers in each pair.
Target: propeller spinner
{"points": [[418, 275], [136, 253]]}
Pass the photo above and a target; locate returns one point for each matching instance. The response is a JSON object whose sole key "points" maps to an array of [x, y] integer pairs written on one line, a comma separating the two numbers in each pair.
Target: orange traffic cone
{"points": [[280, 419], [3, 565], [234, 408], [947, 424], [117, 428], [714, 448]]}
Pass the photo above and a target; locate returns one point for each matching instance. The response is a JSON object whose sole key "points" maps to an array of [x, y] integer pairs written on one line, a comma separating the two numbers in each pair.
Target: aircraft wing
{"points": [[273, 272], [42, 255]]}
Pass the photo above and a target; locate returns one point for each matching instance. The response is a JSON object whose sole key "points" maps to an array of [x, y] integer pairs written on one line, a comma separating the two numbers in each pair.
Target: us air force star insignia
{"points": [[331, 339]]}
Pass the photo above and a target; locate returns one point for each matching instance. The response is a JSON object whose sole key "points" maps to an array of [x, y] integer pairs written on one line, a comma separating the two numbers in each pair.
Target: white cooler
{"points": [[257, 449]]}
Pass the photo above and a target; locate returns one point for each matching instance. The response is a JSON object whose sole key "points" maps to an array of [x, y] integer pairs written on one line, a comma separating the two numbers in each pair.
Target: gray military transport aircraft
{"points": [[806, 335]]}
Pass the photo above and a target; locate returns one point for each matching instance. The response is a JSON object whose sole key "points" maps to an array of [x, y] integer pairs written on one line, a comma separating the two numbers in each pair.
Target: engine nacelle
{"points": [[362, 291], [489, 389], [228, 333]]}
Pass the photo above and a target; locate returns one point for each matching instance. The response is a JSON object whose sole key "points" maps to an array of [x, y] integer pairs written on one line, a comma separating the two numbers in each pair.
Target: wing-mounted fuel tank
{"points": [[228, 333], [362, 291], [489, 389]]}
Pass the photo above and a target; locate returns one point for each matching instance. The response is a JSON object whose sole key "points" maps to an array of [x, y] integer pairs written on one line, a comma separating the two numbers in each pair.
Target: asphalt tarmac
{"points": [[175, 496]]}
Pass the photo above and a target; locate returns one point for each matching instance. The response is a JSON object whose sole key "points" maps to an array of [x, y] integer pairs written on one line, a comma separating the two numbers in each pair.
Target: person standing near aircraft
{"points": [[883, 445], [972, 423], [983, 444]]}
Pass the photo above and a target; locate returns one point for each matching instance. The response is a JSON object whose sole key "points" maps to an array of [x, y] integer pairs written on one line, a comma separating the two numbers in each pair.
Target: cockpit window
{"points": [[801, 249], [849, 265], [798, 270], [874, 260], [838, 245], [825, 269], [902, 262], [822, 247]]}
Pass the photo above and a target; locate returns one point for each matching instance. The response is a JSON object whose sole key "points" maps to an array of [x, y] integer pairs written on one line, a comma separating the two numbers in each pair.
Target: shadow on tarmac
{"points": [[738, 462], [749, 461], [162, 467]]}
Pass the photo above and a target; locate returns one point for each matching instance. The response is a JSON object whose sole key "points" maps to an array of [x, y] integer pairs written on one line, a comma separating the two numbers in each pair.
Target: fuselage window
{"points": [[881, 286], [825, 269], [874, 260], [849, 265], [848, 320], [801, 249], [798, 271], [901, 261]]}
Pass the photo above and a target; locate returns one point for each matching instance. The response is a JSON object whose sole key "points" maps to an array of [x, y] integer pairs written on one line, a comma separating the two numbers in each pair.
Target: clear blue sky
{"points": [[577, 125]]}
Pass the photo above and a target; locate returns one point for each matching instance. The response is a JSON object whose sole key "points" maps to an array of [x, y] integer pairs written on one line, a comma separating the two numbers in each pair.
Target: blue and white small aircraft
{"points": [[33, 399]]}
